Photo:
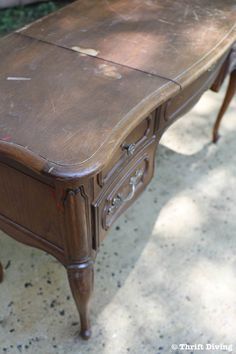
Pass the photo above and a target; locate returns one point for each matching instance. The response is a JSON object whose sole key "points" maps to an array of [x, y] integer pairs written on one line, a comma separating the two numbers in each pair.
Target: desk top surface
{"points": [[75, 83]]}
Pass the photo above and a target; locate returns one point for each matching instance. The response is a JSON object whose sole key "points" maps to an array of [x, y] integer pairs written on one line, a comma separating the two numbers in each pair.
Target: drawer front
{"points": [[124, 189], [141, 135], [188, 97]]}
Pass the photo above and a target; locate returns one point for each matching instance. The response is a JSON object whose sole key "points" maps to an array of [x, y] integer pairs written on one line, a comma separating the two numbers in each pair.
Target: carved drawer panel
{"points": [[129, 147], [124, 189], [188, 97]]}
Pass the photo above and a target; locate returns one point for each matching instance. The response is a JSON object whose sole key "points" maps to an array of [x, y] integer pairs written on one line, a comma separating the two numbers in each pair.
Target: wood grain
{"points": [[83, 106], [68, 101], [171, 38]]}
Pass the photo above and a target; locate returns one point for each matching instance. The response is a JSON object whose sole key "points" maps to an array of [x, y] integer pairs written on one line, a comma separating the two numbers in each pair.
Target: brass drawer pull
{"points": [[130, 148], [120, 199]]}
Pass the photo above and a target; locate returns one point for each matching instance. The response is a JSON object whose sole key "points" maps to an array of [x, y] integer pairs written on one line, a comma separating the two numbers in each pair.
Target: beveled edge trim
{"points": [[210, 58], [96, 162], [101, 157], [27, 237]]}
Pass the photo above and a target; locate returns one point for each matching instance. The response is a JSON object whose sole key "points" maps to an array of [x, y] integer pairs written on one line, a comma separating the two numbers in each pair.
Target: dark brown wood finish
{"points": [[170, 38], [81, 278], [58, 95], [86, 95]]}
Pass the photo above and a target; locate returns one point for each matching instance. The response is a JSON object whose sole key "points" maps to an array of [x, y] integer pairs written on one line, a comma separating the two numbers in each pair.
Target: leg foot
{"points": [[81, 282], [86, 334], [228, 97], [1, 272]]}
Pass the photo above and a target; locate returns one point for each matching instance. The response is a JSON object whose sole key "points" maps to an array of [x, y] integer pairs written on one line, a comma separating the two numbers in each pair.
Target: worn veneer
{"points": [[170, 39], [86, 95]]}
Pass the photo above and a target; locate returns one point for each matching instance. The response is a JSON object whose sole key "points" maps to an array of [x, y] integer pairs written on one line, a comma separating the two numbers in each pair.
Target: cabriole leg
{"points": [[228, 97], [81, 279]]}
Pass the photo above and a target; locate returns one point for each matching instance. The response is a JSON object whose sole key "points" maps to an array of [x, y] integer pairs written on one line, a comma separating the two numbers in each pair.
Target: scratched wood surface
{"points": [[63, 106], [166, 38], [74, 84]]}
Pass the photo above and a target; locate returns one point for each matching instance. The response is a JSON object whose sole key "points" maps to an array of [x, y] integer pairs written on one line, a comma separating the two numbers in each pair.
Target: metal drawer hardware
{"points": [[130, 148], [120, 199]]}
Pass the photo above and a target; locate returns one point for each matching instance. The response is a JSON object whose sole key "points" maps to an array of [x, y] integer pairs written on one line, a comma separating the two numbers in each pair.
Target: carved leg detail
{"points": [[81, 279], [1, 272], [228, 97]]}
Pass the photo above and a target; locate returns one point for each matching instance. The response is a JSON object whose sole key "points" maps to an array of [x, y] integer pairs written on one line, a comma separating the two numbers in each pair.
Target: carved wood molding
{"points": [[78, 266], [77, 224], [116, 201]]}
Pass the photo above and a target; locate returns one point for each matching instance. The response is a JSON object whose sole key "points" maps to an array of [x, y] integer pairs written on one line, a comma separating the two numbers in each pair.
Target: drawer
{"points": [[188, 97], [123, 190], [135, 141]]}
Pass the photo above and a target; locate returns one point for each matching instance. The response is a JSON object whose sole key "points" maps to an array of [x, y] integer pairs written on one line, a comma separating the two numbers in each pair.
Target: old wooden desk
{"points": [[85, 96]]}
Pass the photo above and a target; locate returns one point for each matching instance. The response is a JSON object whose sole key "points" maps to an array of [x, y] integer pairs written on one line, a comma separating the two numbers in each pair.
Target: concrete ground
{"points": [[166, 274]]}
